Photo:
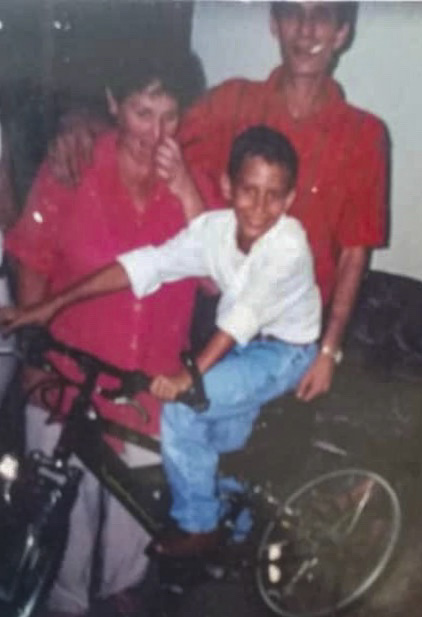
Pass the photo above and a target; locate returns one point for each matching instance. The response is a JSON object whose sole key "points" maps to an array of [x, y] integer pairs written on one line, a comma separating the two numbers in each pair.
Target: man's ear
{"points": [[226, 187], [274, 27], [112, 105], [342, 35], [289, 199]]}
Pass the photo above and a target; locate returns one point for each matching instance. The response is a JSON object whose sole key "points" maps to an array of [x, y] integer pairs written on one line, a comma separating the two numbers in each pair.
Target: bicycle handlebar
{"points": [[34, 342]]}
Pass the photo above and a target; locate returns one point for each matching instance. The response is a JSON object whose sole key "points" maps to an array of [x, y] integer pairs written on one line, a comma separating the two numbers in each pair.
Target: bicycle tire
{"points": [[39, 578], [38, 534], [340, 517], [36, 581]]}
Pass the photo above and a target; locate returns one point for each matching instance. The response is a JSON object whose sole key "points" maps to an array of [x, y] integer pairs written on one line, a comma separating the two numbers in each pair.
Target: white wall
{"points": [[382, 72]]}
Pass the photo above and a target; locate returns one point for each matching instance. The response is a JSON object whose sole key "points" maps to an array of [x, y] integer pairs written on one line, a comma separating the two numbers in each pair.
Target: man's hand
{"points": [[317, 379], [350, 268], [71, 151], [16, 317], [168, 388]]}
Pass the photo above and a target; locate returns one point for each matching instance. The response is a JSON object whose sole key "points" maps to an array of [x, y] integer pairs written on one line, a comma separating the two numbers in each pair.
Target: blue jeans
{"points": [[237, 386]]}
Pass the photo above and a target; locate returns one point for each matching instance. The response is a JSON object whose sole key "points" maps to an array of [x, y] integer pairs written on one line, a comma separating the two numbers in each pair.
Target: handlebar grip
{"points": [[195, 397], [33, 344]]}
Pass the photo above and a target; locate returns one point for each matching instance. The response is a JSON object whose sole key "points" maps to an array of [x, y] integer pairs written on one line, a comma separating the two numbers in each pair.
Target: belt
{"points": [[275, 339], [266, 337]]}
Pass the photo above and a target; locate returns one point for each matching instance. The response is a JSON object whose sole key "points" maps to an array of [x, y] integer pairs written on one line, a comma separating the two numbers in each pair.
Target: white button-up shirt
{"points": [[269, 291]]}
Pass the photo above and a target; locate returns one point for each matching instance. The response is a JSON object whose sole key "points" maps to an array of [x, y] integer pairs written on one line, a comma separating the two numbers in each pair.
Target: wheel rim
{"points": [[38, 575], [348, 517]]}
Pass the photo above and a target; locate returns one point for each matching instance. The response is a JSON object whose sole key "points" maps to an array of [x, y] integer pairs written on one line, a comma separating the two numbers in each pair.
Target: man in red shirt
{"points": [[341, 189], [342, 151]]}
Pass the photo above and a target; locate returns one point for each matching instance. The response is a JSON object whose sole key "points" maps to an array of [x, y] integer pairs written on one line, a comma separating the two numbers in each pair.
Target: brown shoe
{"points": [[185, 544]]}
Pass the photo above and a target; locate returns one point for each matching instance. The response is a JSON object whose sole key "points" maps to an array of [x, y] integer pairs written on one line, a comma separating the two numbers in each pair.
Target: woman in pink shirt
{"points": [[136, 191]]}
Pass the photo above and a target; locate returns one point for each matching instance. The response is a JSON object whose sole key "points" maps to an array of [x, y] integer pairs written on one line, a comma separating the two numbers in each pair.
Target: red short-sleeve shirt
{"points": [[66, 234], [341, 191]]}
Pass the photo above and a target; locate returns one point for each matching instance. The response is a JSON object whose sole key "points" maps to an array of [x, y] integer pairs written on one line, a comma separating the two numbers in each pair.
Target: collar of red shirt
{"points": [[324, 115]]}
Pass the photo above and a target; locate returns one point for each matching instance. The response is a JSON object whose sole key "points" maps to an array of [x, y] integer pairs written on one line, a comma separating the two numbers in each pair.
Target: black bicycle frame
{"points": [[84, 429], [83, 435]]}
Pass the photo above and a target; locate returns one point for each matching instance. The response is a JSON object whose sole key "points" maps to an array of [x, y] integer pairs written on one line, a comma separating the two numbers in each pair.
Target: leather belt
{"points": [[266, 337]]}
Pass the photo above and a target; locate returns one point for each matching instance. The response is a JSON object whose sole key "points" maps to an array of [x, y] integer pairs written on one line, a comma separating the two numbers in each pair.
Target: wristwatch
{"points": [[335, 354]]}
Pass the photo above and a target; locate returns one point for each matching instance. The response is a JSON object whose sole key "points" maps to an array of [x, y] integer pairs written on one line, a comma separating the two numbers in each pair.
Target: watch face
{"points": [[336, 355]]}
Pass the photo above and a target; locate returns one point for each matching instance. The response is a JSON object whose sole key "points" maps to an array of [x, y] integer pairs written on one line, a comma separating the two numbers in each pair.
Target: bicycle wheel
{"points": [[328, 544], [33, 535], [39, 574]]}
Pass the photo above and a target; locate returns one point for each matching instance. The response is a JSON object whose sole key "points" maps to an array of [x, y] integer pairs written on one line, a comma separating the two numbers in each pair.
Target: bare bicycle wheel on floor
{"points": [[328, 544]]}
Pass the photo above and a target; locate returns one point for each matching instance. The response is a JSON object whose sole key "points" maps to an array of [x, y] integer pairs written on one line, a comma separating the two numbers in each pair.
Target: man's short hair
{"points": [[179, 74], [267, 143], [346, 12]]}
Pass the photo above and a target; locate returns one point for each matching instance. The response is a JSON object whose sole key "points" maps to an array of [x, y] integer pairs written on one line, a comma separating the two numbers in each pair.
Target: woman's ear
{"points": [[112, 105], [226, 187]]}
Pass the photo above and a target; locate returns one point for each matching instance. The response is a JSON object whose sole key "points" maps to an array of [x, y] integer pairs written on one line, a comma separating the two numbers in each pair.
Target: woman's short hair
{"points": [[179, 74]]}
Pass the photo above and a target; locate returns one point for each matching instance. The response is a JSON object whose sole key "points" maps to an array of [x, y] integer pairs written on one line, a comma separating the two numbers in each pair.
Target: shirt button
{"points": [[38, 217], [134, 344], [314, 189]]}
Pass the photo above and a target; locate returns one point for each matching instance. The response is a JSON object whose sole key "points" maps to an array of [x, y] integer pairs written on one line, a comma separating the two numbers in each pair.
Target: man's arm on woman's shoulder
{"points": [[71, 151]]}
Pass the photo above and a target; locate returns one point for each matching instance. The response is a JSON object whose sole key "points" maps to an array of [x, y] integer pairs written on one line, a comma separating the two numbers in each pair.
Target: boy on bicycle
{"points": [[268, 321]]}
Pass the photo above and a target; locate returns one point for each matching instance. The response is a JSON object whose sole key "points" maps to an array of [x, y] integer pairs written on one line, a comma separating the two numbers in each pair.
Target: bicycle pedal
{"points": [[216, 571], [176, 575]]}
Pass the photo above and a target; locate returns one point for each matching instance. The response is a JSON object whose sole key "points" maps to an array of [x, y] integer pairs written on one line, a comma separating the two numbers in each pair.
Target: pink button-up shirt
{"points": [[65, 234]]}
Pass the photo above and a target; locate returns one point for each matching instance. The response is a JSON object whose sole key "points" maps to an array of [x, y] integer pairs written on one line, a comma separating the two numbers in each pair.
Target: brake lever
{"points": [[195, 397], [133, 402]]}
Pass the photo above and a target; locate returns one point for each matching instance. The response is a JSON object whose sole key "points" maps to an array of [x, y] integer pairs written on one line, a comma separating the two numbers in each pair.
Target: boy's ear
{"points": [[226, 187], [112, 105], [289, 199]]}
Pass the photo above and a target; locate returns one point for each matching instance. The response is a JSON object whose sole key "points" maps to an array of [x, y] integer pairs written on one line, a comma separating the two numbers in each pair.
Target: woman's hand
{"points": [[171, 167], [168, 388]]}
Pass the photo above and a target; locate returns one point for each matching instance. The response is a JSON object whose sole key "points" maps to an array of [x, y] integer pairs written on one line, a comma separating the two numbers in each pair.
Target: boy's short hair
{"points": [[179, 74], [346, 12], [267, 143]]}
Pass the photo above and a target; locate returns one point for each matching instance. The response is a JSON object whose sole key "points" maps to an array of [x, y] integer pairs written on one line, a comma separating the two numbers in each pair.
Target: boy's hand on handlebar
{"points": [[16, 317], [168, 388]]}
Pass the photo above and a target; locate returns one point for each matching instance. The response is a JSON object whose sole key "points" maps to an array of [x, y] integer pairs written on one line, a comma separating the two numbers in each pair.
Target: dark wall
{"points": [[50, 58]]}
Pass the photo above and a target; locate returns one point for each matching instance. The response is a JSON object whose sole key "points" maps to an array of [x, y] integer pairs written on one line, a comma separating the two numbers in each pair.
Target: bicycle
{"points": [[350, 516]]}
